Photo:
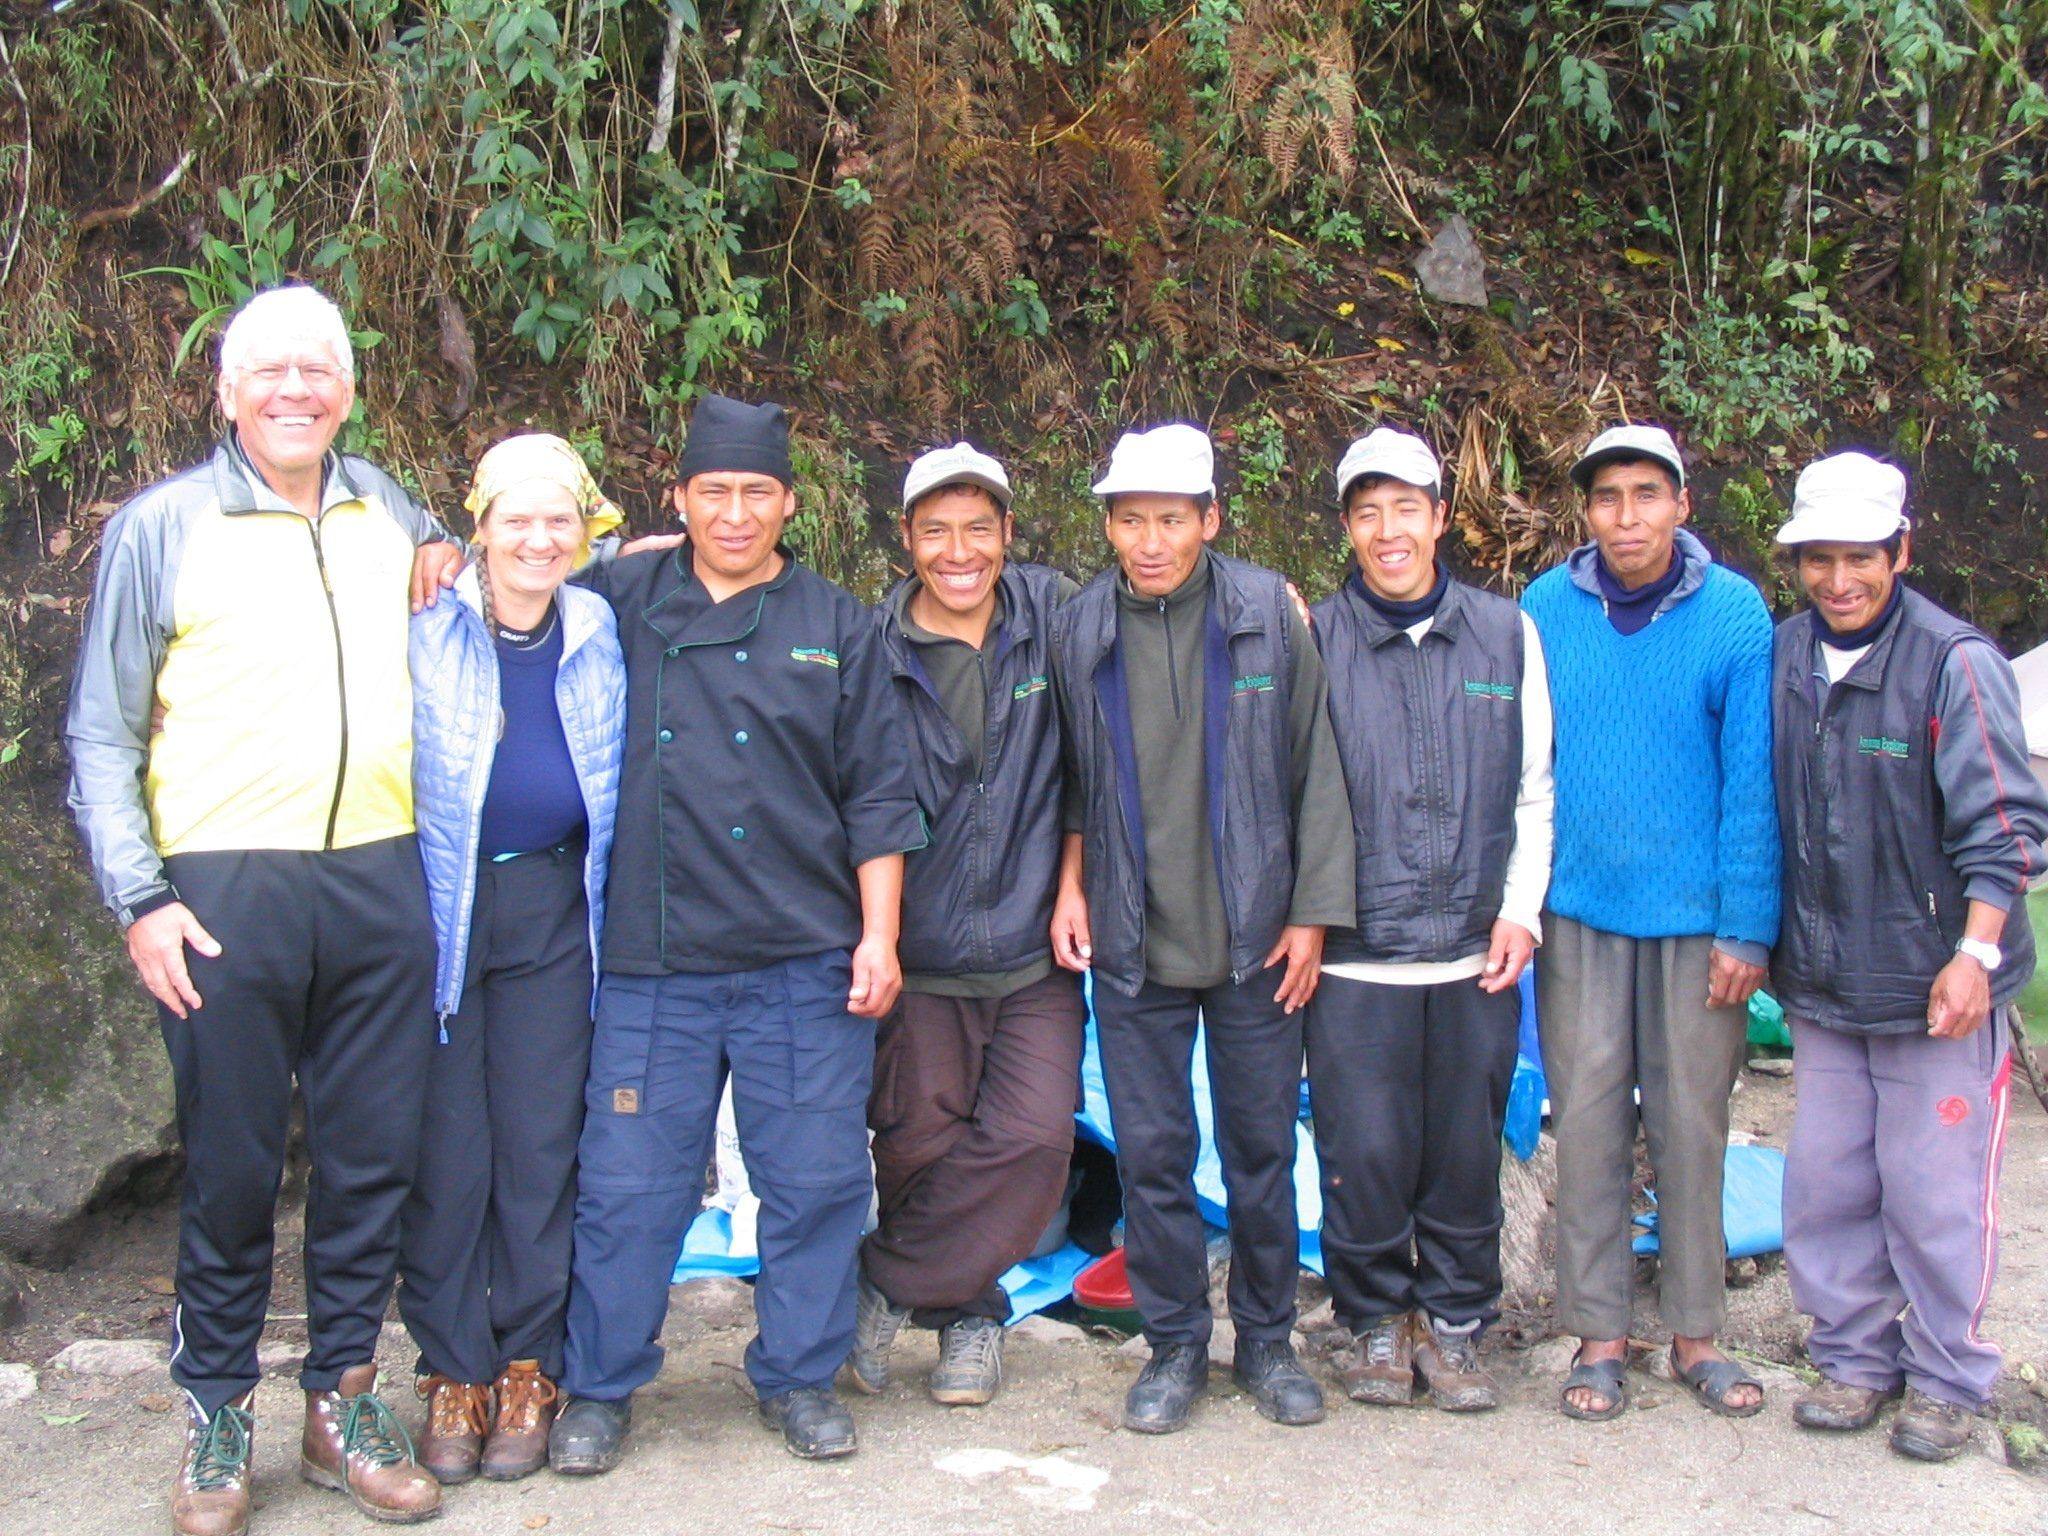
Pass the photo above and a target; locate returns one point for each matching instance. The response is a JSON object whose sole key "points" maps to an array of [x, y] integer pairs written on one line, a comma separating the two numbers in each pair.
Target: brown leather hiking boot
{"points": [[1448, 1364], [1929, 1428], [354, 1444], [211, 1495], [1831, 1404], [1379, 1367], [527, 1404], [458, 1418]]}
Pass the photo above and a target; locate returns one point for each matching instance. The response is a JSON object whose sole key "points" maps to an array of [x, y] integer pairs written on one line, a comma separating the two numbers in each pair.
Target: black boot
{"points": [[1280, 1388], [814, 1423], [589, 1436], [1164, 1393]]}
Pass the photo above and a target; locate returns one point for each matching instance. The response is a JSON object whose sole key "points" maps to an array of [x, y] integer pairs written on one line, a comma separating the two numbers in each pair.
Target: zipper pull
{"points": [[442, 1020]]}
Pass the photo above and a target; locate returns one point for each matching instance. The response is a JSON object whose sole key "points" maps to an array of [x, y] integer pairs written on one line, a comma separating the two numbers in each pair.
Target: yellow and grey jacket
{"points": [[276, 650]]}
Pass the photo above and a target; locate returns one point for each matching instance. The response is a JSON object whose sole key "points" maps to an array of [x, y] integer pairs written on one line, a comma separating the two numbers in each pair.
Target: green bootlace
{"points": [[222, 1456], [371, 1430]]}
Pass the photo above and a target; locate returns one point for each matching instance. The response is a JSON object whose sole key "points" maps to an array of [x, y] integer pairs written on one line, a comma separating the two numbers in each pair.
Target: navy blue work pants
{"points": [[801, 1066]]}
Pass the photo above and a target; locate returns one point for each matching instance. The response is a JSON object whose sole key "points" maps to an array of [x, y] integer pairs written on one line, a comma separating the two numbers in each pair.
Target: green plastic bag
{"points": [[1767, 1022]]}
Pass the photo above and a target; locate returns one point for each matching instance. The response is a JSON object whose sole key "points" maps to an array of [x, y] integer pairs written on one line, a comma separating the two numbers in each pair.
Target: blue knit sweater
{"points": [[1666, 822]]}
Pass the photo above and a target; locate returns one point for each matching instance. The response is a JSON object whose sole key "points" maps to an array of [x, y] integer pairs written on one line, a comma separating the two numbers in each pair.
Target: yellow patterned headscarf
{"points": [[543, 456]]}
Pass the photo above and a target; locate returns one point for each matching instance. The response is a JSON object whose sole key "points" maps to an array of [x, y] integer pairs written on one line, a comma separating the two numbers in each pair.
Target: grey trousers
{"points": [[1891, 1204], [1620, 1014]]}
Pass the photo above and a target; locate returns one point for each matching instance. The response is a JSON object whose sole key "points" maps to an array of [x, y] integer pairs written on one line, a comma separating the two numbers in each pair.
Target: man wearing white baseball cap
{"points": [[1208, 848], [1912, 828], [1663, 906], [1442, 715], [973, 1103]]}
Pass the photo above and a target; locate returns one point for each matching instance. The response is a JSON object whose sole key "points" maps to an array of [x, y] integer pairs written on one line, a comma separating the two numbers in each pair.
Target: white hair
{"points": [[294, 313]]}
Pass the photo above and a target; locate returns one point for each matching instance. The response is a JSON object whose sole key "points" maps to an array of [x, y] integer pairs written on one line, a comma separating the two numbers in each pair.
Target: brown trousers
{"points": [[973, 1115]]}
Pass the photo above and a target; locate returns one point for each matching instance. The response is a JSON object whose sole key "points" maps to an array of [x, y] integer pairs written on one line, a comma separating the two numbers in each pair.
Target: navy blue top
{"points": [[1415, 610], [534, 801], [1630, 611]]}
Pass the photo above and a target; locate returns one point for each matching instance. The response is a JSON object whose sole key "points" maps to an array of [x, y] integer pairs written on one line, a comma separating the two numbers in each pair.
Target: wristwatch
{"points": [[1986, 955]]}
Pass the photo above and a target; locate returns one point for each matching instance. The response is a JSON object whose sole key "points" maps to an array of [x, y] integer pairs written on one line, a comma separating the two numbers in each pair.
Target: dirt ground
{"points": [[86, 1455]]}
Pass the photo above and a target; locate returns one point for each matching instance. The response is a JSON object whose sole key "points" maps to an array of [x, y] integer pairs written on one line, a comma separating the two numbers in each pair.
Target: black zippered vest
{"points": [[1430, 735], [979, 896]]}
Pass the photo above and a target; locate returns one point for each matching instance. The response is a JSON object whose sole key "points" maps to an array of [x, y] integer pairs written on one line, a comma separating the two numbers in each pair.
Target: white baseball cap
{"points": [[1849, 498], [961, 464], [1175, 460], [1385, 451], [1632, 442]]}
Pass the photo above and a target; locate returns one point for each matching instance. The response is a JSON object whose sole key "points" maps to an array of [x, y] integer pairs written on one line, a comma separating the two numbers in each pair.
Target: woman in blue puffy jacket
{"points": [[519, 707]]}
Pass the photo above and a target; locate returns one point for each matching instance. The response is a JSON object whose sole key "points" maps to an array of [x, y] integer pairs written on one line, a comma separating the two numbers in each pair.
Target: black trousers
{"points": [[1410, 1090], [1254, 1056], [326, 974], [484, 1243]]}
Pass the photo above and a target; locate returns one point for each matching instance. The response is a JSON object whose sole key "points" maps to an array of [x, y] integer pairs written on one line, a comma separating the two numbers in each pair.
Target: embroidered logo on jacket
{"points": [[1882, 746], [1479, 690], [1029, 686], [1261, 683], [817, 653]]}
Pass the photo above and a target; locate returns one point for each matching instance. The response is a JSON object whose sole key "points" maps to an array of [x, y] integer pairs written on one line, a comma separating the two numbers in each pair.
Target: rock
{"points": [[11, 1308], [1741, 1273], [1046, 1330], [1452, 269], [1527, 1192], [16, 1383], [1553, 1357], [112, 1357], [85, 1102], [717, 1302], [1771, 1066]]}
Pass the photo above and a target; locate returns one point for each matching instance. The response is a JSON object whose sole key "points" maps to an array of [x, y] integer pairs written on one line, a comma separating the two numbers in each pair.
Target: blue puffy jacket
{"points": [[455, 737]]}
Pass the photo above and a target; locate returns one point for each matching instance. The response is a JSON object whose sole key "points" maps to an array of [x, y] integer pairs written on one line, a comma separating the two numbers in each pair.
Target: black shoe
{"points": [[589, 1436], [1280, 1388], [814, 1423], [1164, 1393]]}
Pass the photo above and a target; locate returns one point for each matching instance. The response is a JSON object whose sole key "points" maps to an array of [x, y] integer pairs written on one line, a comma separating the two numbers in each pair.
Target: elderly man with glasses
{"points": [[255, 839]]}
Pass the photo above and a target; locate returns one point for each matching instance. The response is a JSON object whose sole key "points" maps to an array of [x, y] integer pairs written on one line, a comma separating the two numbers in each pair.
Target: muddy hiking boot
{"points": [[876, 1322], [354, 1444], [1929, 1429], [211, 1495], [458, 1418], [1835, 1405], [1447, 1360], [527, 1404], [1280, 1389], [1379, 1368], [589, 1436], [970, 1368]]}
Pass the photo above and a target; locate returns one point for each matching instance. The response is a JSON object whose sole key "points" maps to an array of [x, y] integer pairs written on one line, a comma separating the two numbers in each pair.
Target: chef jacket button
{"points": [[740, 737], [739, 655], [665, 736], [739, 834]]}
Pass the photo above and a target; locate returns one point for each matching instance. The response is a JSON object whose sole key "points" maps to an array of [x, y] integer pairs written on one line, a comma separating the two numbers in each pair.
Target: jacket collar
{"points": [[581, 610], [683, 614], [240, 487], [1012, 629], [1377, 629], [1581, 565]]}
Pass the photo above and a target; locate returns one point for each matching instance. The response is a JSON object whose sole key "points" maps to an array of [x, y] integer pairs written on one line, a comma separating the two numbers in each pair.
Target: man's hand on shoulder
{"points": [[434, 567], [156, 945]]}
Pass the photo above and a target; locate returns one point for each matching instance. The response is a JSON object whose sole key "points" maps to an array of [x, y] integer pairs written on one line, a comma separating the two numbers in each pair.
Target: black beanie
{"points": [[731, 436]]}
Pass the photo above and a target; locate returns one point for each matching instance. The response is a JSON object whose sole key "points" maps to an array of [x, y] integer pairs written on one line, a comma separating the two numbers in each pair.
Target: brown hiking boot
{"points": [[527, 1404], [1448, 1364], [458, 1418], [211, 1495], [354, 1444], [1380, 1367], [1831, 1404], [1930, 1429]]}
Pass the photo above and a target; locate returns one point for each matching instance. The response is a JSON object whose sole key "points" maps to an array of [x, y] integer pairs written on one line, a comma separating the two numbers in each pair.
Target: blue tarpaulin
{"points": [[1752, 1204]]}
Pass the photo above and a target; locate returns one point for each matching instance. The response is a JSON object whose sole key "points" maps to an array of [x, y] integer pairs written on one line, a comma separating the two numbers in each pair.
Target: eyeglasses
{"points": [[315, 375]]}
